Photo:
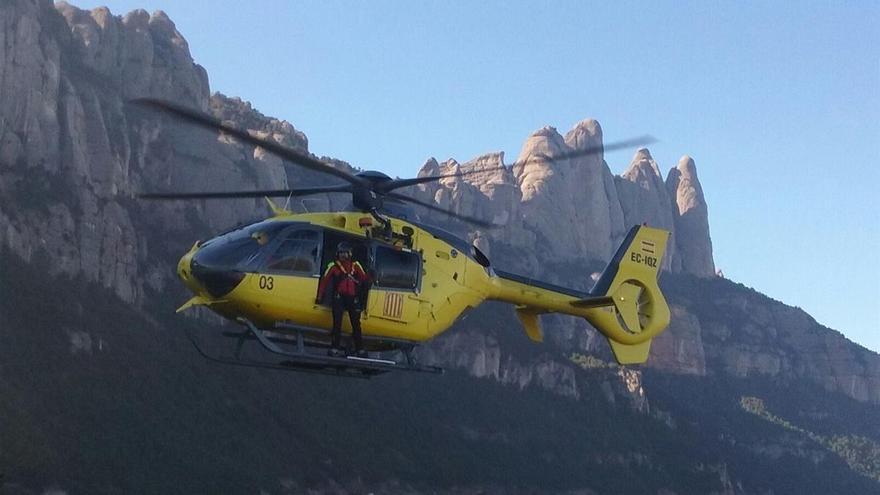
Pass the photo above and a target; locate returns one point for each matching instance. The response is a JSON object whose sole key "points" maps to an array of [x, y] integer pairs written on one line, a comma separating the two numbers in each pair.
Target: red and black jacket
{"points": [[344, 278]]}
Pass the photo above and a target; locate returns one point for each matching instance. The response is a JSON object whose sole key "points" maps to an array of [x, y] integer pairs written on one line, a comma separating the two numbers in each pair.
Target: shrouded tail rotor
{"points": [[639, 312]]}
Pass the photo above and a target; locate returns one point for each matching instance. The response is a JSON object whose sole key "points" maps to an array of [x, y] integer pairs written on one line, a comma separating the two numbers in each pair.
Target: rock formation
{"points": [[644, 199], [566, 202], [575, 208], [691, 219], [79, 152]]}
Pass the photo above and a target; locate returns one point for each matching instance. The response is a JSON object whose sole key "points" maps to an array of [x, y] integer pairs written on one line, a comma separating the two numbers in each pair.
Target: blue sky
{"points": [[777, 102]]}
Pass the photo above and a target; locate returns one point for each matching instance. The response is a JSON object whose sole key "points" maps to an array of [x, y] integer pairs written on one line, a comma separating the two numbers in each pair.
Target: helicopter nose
{"points": [[200, 277], [216, 281], [184, 269]]}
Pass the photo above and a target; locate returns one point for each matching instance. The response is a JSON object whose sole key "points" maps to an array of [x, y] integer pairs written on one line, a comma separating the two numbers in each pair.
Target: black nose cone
{"points": [[217, 281]]}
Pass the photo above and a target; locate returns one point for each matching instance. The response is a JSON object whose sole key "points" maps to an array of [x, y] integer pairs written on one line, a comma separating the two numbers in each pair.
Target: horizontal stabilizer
{"points": [[594, 302]]}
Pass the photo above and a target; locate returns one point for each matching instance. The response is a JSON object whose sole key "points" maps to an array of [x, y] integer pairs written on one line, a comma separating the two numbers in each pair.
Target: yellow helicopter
{"points": [[265, 276]]}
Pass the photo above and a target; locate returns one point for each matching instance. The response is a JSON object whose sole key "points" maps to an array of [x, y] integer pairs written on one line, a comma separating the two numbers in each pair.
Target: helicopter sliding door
{"points": [[397, 279]]}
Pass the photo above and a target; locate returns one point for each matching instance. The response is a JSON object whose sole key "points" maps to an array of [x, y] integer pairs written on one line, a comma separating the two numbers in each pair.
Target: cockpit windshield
{"points": [[239, 249]]}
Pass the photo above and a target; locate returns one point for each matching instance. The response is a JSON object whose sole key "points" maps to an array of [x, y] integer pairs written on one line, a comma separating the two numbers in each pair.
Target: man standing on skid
{"points": [[343, 278]]}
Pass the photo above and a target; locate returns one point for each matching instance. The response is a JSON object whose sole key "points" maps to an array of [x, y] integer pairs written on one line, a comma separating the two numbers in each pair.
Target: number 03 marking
{"points": [[267, 283]]}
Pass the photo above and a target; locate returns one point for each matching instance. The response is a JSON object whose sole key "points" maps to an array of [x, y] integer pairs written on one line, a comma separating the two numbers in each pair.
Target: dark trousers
{"points": [[346, 303]]}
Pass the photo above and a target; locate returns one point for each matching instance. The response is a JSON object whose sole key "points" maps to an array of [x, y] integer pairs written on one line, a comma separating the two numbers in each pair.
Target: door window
{"points": [[397, 269]]}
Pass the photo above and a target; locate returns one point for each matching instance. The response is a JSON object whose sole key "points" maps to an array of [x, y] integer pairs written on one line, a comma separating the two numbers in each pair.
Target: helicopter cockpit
{"points": [[238, 249]]}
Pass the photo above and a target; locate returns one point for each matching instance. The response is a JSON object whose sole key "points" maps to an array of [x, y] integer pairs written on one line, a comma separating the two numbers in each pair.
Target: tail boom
{"points": [[626, 304]]}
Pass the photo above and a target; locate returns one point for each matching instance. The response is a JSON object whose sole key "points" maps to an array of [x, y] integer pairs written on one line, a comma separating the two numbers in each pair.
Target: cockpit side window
{"points": [[297, 253]]}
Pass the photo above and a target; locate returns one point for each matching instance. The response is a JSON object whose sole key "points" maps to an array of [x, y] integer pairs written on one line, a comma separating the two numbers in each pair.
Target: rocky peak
{"points": [[455, 194], [137, 55], [488, 173], [687, 167], [427, 191], [643, 170], [240, 113], [691, 218], [585, 134], [605, 226], [644, 199], [451, 167], [577, 189], [431, 167], [487, 191], [163, 24], [548, 131], [501, 197], [531, 169], [137, 19]]}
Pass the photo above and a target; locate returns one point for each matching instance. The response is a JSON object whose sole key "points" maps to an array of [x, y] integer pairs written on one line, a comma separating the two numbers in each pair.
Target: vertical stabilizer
{"points": [[640, 311]]}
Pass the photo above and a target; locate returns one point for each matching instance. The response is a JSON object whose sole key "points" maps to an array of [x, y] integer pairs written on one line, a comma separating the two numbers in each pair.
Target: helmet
{"points": [[343, 247]]}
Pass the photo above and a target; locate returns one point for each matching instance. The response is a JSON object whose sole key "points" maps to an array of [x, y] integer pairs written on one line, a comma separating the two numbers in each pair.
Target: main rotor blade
{"points": [[272, 193], [475, 221], [284, 152], [628, 143], [592, 150]]}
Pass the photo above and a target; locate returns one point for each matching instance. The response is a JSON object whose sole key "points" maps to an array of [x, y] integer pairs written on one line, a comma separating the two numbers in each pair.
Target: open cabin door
{"points": [[361, 252]]}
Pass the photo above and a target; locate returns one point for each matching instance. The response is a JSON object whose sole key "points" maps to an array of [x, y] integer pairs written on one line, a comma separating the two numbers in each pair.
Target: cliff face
{"points": [[73, 154]]}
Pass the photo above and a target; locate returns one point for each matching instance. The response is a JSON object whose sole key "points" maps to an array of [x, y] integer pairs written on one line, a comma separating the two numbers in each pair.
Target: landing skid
{"points": [[305, 354]]}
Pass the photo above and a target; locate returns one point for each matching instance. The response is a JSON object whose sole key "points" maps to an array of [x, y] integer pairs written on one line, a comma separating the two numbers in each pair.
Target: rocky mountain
{"points": [[98, 390], [691, 215]]}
